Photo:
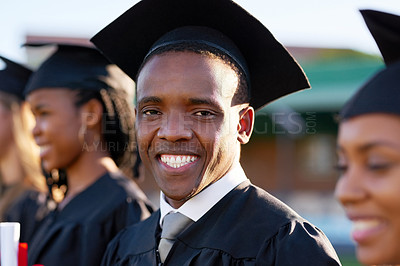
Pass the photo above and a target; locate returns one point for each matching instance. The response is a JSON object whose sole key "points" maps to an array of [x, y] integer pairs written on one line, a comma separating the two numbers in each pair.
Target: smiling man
{"points": [[202, 68]]}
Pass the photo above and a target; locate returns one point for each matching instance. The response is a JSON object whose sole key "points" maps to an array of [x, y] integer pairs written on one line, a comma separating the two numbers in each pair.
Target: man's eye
{"points": [[203, 113], [151, 112]]}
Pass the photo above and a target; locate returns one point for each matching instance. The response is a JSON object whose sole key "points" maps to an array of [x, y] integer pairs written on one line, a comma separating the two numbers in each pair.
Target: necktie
{"points": [[173, 224]]}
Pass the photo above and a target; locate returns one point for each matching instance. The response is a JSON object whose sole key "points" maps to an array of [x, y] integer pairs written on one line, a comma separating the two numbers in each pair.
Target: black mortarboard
{"points": [[13, 78], [381, 94], [70, 66], [272, 71], [385, 28]]}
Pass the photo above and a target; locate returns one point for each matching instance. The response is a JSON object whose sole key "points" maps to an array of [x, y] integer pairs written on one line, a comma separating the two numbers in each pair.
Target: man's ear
{"points": [[246, 124], [92, 112]]}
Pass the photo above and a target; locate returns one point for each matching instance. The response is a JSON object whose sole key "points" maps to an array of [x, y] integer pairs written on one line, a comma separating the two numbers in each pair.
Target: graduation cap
{"points": [[13, 78], [70, 66], [385, 28], [221, 24], [381, 94]]}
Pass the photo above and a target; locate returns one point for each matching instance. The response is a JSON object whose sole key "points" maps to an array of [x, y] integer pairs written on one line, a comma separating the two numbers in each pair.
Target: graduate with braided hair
{"points": [[84, 127]]}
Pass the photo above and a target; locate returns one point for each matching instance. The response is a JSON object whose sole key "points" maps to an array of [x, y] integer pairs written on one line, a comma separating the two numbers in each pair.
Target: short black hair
{"points": [[242, 94]]}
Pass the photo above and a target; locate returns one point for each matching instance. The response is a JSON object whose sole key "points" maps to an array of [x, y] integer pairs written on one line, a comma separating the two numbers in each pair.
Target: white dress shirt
{"points": [[201, 203]]}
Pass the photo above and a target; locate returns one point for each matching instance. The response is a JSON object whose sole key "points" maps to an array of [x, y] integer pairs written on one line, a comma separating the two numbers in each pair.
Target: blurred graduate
{"points": [[369, 151], [22, 184], [84, 127]]}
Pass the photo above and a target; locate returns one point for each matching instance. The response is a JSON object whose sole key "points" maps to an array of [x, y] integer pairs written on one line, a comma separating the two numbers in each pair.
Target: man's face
{"points": [[187, 128]]}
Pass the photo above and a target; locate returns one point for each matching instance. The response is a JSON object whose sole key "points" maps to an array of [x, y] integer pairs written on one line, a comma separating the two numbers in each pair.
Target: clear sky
{"points": [[315, 23]]}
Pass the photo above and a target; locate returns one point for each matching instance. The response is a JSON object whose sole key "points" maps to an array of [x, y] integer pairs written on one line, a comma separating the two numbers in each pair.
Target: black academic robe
{"points": [[78, 234], [246, 227], [29, 210]]}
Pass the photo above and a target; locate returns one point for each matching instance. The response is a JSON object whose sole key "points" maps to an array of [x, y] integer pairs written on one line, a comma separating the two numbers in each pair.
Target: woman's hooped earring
{"points": [[82, 133]]}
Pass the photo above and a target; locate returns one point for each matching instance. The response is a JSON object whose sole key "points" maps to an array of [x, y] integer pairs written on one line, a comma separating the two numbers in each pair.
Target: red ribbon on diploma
{"points": [[23, 254]]}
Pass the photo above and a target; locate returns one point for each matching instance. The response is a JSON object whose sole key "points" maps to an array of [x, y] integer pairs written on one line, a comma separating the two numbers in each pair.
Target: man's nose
{"points": [[175, 128]]}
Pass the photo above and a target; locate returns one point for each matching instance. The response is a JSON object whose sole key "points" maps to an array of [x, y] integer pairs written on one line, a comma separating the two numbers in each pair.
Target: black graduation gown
{"points": [[29, 210], [246, 227], [78, 234]]}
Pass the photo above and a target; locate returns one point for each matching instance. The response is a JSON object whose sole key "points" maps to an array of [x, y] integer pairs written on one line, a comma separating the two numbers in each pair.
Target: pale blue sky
{"points": [[315, 23]]}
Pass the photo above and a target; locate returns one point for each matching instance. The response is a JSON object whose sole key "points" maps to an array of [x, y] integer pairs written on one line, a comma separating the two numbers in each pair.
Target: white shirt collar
{"points": [[200, 204]]}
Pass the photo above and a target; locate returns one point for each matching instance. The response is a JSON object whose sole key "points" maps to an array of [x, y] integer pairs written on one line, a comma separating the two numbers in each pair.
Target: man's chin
{"points": [[177, 196]]}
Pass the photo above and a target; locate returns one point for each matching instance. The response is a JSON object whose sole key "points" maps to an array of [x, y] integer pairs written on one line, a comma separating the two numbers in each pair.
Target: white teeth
{"points": [[177, 161], [44, 148], [361, 225]]}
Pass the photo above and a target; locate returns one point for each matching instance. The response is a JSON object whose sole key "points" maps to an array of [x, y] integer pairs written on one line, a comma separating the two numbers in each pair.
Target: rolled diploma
{"points": [[9, 241]]}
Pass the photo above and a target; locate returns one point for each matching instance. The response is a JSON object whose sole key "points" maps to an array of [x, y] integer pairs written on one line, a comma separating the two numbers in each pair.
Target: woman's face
{"points": [[58, 122], [369, 185]]}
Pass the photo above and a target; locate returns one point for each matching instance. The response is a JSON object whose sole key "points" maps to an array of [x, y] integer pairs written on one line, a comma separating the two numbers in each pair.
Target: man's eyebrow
{"points": [[150, 99], [199, 101]]}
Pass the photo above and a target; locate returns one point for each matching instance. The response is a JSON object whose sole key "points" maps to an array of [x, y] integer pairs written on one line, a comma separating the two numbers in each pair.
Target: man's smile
{"points": [[177, 161]]}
